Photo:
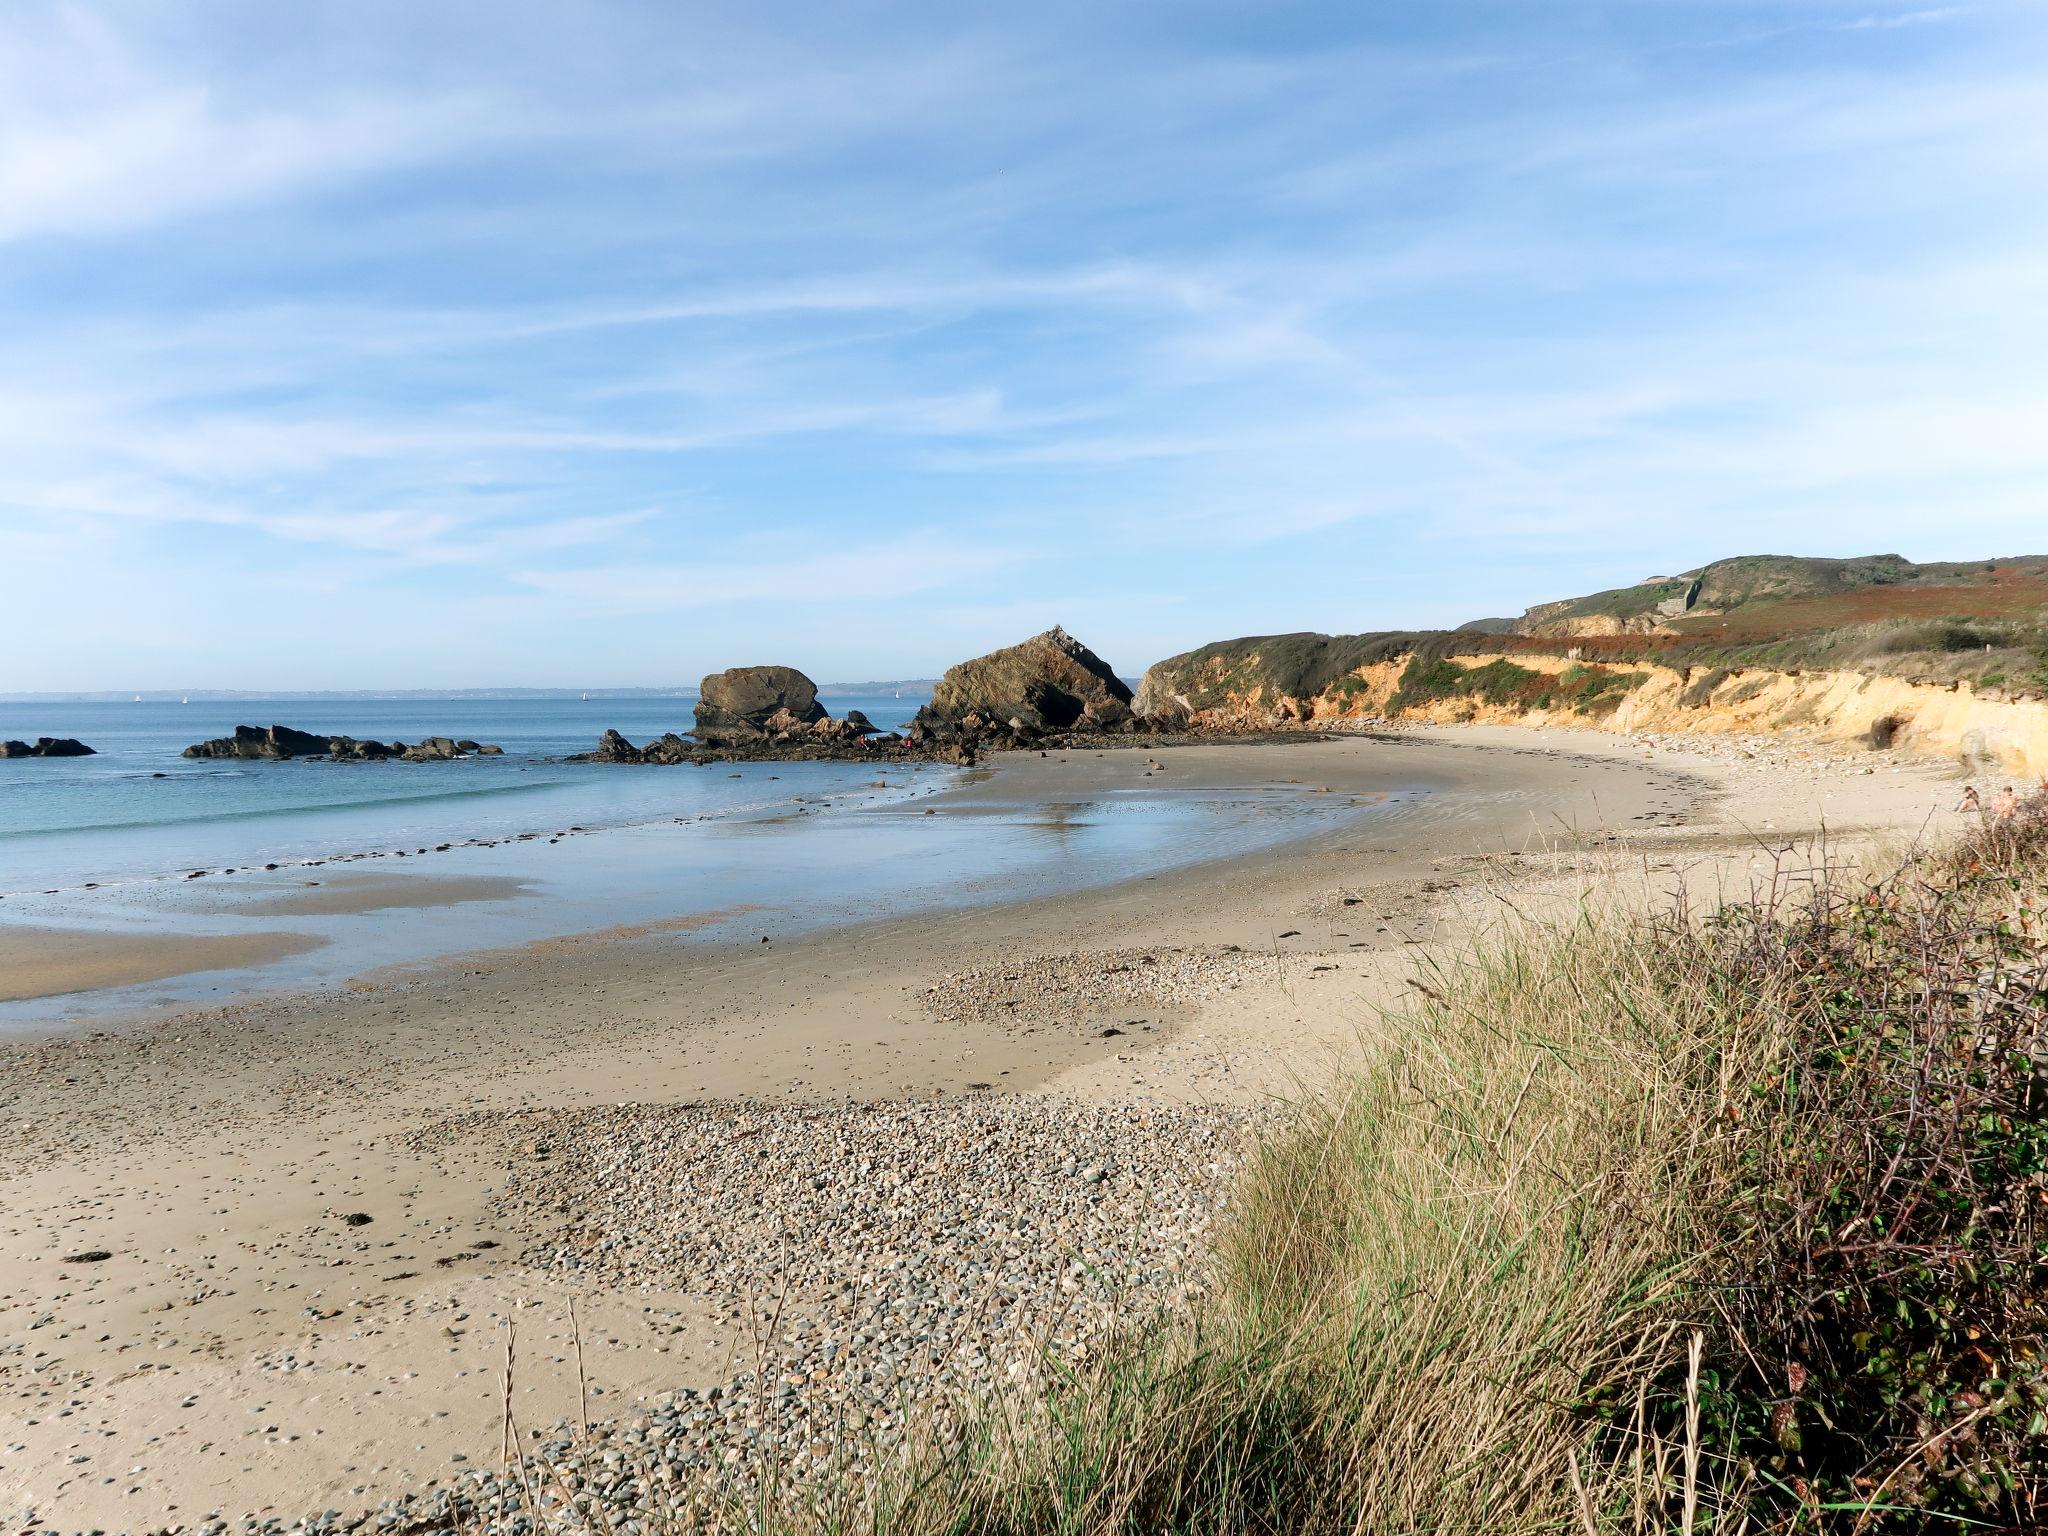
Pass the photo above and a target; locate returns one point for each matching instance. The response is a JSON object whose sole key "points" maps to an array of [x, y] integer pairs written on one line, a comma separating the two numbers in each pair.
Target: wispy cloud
{"points": [[745, 337], [1886, 23], [858, 577]]}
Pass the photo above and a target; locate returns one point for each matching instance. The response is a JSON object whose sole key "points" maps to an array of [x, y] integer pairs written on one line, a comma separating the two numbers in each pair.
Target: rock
{"points": [[743, 704], [859, 724], [348, 749], [281, 741], [255, 741], [614, 748], [668, 748], [1050, 682], [47, 746]]}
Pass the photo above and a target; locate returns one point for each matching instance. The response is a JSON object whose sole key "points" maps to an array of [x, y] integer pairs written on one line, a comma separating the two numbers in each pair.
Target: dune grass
{"points": [[1674, 1222]]}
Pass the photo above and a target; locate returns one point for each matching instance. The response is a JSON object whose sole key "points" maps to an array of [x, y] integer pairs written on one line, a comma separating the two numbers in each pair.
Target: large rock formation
{"points": [[742, 706], [1049, 683], [752, 712], [47, 746], [277, 742]]}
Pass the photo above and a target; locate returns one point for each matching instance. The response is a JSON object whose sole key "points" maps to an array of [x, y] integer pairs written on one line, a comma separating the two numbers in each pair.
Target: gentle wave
{"points": [[255, 813]]}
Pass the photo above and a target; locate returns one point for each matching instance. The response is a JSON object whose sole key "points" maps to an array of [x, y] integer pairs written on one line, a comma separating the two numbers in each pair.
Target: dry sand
{"points": [[248, 1345]]}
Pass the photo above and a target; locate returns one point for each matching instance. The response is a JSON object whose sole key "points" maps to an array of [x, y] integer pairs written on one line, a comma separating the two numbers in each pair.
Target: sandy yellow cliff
{"points": [[1950, 721]]}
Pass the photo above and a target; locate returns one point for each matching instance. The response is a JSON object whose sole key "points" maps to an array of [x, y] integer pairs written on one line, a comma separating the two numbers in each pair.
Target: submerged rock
{"points": [[47, 746]]}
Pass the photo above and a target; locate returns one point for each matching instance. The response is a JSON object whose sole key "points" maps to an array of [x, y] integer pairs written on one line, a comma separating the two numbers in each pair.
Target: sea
{"points": [[448, 858], [140, 809]]}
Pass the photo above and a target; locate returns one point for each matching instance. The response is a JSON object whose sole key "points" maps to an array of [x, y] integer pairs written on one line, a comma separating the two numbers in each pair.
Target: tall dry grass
{"points": [[1443, 1290]]}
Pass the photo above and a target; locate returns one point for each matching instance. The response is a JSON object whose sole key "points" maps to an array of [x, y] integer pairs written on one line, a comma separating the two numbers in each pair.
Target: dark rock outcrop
{"points": [[614, 748], [47, 746], [1049, 684], [278, 742], [259, 741], [770, 712], [348, 749], [742, 705]]}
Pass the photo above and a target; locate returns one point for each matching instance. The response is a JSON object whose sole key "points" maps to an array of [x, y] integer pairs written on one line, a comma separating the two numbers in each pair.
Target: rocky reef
{"points": [[279, 742], [47, 746], [1046, 689]]}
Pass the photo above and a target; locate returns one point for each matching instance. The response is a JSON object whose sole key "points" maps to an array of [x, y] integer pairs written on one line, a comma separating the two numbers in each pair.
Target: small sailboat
{"points": [[186, 700], [138, 698], [586, 698]]}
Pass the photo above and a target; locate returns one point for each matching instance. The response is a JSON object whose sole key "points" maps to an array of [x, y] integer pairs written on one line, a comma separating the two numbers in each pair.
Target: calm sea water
{"points": [[140, 809], [547, 847]]}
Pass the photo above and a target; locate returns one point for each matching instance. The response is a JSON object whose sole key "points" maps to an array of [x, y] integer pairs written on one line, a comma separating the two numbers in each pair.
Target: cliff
{"points": [[1947, 659], [1952, 720]]}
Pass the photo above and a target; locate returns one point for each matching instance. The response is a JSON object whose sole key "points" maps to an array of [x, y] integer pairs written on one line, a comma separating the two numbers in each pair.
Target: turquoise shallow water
{"points": [[545, 848], [140, 809]]}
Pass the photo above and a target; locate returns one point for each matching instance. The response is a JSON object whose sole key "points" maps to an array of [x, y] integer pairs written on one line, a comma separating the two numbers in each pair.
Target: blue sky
{"points": [[400, 344]]}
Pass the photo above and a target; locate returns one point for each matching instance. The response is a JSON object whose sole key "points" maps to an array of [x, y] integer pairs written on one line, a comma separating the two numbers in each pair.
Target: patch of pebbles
{"points": [[905, 1253], [1054, 991], [889, 1263]]}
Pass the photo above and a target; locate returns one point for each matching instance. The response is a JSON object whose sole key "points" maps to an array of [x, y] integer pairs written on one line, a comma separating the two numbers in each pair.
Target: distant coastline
{"points": [[366, 695]]}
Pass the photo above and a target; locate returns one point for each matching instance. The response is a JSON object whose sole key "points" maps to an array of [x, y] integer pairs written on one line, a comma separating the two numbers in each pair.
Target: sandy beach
{"points": [[264, 1258]]}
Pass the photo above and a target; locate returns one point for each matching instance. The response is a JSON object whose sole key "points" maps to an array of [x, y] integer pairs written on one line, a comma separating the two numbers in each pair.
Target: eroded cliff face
{"points": [[1234, 691]]}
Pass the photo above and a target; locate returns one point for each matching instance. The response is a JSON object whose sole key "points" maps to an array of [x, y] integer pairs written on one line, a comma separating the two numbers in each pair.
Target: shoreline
{"points": [[585, 881], [217, 1154]]}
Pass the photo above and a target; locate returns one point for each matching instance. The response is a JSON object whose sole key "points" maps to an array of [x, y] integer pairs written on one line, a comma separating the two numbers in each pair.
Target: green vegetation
{"points": [[1586, 689], [1985, 623], [1618, 602]]}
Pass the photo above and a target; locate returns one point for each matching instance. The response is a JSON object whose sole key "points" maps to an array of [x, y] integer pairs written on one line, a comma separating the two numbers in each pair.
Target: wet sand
{"points": [[353, 894], [55, 962], [245, 1346]]}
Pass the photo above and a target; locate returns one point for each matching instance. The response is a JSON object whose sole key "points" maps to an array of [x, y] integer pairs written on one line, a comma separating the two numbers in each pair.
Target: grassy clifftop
{"points": [[1980, 622]]}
